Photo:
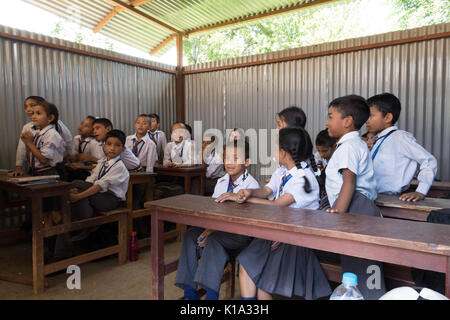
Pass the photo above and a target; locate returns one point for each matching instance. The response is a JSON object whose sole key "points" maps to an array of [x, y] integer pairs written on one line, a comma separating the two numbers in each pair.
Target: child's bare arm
{"points": [[284, 201], [75, 196], [346, 194]]}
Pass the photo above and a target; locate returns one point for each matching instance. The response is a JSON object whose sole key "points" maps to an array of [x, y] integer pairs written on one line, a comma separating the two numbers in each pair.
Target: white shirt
{"points": [[145, 150], [21, 153], [115, 178], [320, 160], [50, 144], [87, 146], [129, 159], [396, 162], [295, 186], [182, 153], [245, 181], [161, 142], [214, 163], [351, 153]]}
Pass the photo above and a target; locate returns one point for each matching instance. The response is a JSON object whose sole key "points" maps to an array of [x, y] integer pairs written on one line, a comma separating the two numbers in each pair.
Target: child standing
{"points": [[141, 144], [350, 182], [158, 136], [205, 252], [273, 267], [396, 153], [44, 147], [21, 157]]}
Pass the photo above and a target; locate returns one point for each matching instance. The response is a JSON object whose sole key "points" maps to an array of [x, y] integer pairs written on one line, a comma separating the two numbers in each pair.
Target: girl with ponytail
{"points": [[268, 267]]}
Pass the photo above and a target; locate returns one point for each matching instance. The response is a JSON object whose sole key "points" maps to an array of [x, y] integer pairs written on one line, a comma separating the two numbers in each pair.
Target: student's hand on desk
{"points": [[333, 210], [17, 173], [227, 196], [202, 238], [177, 165], [83, 157], [412, 196], [243, 195], [169, 165]]}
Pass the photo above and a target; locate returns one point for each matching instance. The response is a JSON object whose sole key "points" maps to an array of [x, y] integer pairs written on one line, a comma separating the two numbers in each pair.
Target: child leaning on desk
{"points": [[204, 253], [350, 182], [268, 267], [396, 153]]}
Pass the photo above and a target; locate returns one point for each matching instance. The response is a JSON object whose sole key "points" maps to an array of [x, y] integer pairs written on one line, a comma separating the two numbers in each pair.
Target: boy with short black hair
{"points": [[158, 136], [101, 191], [350, 182], [101, 127], [395, 153]]}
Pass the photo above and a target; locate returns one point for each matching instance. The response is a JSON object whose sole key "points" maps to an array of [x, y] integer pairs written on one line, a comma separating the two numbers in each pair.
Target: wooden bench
{"points": [[119, 215], [41, 229]]}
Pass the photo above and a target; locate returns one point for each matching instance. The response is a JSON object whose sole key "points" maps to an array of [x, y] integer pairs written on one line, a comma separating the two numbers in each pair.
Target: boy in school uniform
{"points": [[325, 146], [350, 182], [144, 149], [180, 151], [213, 163], [21, 153], [101, 191], [82, 143], [158, 136], [142, 146], [395, 153], [100, 128], [205, 252]]}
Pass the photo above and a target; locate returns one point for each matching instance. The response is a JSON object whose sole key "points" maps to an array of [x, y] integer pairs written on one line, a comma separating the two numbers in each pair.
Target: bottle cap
{"points": [[349, 279]]}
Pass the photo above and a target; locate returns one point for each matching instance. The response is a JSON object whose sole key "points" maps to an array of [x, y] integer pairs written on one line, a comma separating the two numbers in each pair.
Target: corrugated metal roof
{"points": [[183, 15]]}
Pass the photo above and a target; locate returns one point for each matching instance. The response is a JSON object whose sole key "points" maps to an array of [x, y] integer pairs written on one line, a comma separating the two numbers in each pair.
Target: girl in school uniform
{"points": [[45, 147], [21, 153], [268, 267], [204, 253]]}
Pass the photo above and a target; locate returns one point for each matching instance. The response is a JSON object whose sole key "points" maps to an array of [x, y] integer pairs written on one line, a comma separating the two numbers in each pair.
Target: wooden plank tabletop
{"points": [[183, 169], [417, 236], [428, 204], [438, 185], [14, 187]]}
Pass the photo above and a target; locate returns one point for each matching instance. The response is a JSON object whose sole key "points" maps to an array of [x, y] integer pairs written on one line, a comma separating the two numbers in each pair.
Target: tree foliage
{"points": [[331, 22]]}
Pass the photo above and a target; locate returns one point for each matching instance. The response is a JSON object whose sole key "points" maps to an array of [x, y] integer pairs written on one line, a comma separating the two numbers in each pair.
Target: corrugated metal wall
{"points": [[79, 85], [418, 73]]}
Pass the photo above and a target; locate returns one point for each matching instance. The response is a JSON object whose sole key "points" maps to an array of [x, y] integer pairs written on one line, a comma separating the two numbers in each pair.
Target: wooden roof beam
{"points": [[163, 44], [115, 11], [259, 16], [141, 14]]}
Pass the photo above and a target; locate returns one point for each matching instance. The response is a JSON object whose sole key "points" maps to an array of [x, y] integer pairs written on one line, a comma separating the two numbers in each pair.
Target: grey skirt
{"points": [[288, 270]]}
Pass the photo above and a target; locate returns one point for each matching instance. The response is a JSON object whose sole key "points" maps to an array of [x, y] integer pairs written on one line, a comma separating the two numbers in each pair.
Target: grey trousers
{"points": [[204, 266], [84, 209]]}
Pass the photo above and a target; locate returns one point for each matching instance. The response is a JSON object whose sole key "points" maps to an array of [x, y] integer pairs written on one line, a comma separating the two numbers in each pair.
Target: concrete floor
{"points": [[100, 280]]}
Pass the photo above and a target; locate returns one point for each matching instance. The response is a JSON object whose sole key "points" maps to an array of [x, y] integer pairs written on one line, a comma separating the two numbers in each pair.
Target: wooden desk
{"points": [[37, 193], [187, 172], [438, 189], [409, 243], [392, 207]]}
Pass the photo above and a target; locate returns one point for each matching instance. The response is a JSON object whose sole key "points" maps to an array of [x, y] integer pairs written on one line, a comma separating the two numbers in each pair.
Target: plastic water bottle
{"points": [[133, 247], [347, 290]]}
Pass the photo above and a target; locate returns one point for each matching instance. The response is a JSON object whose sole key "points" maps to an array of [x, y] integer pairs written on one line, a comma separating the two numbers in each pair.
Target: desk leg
{"points": [[202, 185], [149, 189], [38, 244], [447, 279], [157, 257]]}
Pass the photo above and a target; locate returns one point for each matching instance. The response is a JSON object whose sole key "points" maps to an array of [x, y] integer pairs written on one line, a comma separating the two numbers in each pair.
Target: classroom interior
{"points": [[244, 92]]}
